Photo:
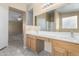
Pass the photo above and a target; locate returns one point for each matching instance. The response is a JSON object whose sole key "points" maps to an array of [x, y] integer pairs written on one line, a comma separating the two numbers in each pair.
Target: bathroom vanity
{"points": [[61, 45]]}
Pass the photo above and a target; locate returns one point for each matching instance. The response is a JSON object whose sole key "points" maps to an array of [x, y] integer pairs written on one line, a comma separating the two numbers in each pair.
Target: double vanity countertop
{"points": [[64, 36]]}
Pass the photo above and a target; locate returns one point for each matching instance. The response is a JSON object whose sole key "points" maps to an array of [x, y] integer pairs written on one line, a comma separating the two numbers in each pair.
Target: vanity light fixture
{"points": [[19, 19], [47, 5]]}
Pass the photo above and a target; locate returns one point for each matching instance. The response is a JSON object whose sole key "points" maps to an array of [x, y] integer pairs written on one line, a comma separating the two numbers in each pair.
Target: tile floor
{"points": [[15, 48]]}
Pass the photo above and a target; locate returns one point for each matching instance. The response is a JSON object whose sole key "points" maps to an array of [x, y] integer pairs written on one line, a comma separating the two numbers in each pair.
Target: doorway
{"points": [[15, 29]]}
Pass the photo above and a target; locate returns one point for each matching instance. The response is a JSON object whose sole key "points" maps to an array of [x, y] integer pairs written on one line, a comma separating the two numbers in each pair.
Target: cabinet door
{"points": [[33, 44], [60, 51], [36, 45], [28, 42], [73, 52]]}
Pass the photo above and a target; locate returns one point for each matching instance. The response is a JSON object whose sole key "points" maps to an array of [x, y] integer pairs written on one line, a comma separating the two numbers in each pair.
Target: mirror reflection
{"points": [[64, 18]]}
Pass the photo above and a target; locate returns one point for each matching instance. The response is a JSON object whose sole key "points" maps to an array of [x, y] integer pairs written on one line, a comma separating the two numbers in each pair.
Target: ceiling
{"points": [[69, 8]]}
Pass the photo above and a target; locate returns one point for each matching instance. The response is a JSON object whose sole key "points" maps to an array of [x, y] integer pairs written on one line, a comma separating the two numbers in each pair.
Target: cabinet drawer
{"points": [[58, 43], [63, 44], [73, 53], [74, 46], [60, 51]]}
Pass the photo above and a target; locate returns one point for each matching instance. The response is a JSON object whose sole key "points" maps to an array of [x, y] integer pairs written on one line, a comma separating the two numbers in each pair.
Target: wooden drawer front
{"points": [[67, 45], [73, 46], [60, 51], [60, 44], [73, 53]]}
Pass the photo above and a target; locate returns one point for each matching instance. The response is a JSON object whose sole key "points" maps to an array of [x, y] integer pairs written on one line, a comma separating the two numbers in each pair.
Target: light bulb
{"points": [[19, 19]]}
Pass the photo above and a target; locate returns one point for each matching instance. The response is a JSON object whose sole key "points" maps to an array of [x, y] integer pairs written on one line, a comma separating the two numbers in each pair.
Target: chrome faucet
{"points": [[72, 34]]}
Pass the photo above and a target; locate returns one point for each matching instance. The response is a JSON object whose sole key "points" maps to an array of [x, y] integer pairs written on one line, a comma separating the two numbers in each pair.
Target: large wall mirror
{"points": [[65, 18]]}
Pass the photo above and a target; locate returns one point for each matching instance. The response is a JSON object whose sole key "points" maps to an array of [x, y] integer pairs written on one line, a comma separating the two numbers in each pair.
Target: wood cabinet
{"points": [[73, 49], [28, 42], [59, 47], [36, 45], [73, 53], [62, 48], [31, 42]]}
